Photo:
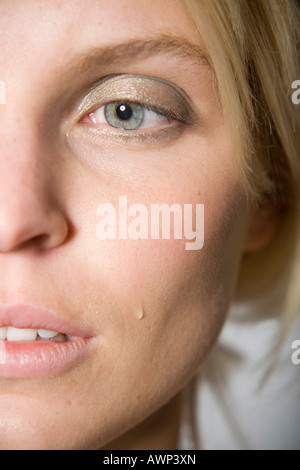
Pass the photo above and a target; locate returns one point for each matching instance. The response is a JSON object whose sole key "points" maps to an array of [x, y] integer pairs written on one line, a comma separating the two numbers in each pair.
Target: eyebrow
{"points": [[134, 50]]}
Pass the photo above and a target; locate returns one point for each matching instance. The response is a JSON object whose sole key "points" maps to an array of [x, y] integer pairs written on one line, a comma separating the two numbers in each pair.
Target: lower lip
{"points": [[25, 359]]}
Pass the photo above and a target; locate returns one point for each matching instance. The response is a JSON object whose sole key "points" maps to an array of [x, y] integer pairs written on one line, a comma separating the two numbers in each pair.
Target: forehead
{"points": [[67, 24], [47, 43]]}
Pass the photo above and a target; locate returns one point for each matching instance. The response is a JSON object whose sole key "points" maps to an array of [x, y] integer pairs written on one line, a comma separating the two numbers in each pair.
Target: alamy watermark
{"points": [[159, 221], [296, 94], [296, 354]]}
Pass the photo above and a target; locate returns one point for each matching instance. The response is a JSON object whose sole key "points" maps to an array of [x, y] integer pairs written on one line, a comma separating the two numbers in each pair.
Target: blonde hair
{"points": [[252, 49]]}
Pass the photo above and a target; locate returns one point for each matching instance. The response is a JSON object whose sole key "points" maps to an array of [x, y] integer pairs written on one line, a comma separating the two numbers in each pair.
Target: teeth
{"points": [[47, 333], [3, 332], [20, 334], [11, 333]]}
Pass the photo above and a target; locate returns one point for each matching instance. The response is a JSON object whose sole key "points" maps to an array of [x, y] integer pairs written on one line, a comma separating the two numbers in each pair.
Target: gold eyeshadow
{"points": [[152, 92]]}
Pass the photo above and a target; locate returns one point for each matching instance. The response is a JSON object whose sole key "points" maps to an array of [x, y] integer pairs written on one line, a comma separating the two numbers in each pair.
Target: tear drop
{"points": [[140, 314]]}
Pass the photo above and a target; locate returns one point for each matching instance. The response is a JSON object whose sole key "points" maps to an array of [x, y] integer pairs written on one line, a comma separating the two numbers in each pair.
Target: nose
{"points": [[30, 214], [44, 229]]}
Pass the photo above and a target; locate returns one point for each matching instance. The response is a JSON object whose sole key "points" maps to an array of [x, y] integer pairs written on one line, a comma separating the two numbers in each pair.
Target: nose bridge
{"points": [[22, 163], [27, 208]]}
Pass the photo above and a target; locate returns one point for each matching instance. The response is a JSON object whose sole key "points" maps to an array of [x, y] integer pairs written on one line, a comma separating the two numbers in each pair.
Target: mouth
{"points": [[35, 342], [10, 333]]}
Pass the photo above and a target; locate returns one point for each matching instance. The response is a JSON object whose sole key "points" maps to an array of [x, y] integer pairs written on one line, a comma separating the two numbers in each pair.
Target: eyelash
{"points": [[169, 116], [171, 105]]}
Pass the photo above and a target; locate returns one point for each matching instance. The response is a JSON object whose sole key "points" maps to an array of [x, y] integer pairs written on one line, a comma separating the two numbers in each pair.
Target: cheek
{"points": [[164, 304], [158, 307]]}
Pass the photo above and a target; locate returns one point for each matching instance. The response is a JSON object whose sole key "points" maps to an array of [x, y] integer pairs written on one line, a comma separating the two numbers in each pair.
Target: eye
{"points": [[135, 108], [128, 116]]}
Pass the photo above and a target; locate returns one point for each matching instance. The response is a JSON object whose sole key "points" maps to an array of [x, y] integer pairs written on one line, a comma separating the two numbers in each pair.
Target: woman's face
{"points": [[142, 313]]}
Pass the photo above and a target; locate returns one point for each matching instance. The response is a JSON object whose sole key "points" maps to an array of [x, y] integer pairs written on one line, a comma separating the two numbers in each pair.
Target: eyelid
{"points": [[156, 93]]}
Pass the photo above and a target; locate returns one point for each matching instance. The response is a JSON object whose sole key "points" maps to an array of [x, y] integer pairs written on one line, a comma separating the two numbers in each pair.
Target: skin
{"points": [[126, 394]]}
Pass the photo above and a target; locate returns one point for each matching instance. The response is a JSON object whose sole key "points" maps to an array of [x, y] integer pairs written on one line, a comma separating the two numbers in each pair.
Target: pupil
{"points": [[124, 112]]}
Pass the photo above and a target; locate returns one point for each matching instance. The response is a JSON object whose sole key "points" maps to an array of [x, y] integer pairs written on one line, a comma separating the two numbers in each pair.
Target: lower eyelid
{"points": [[138, 137]]}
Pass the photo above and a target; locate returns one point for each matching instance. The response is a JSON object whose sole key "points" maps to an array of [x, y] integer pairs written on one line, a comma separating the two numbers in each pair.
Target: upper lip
{"points": [[31, 316]]}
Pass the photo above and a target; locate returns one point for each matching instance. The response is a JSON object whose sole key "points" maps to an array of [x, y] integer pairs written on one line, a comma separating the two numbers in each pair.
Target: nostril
{"points": [[41, 230]]}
